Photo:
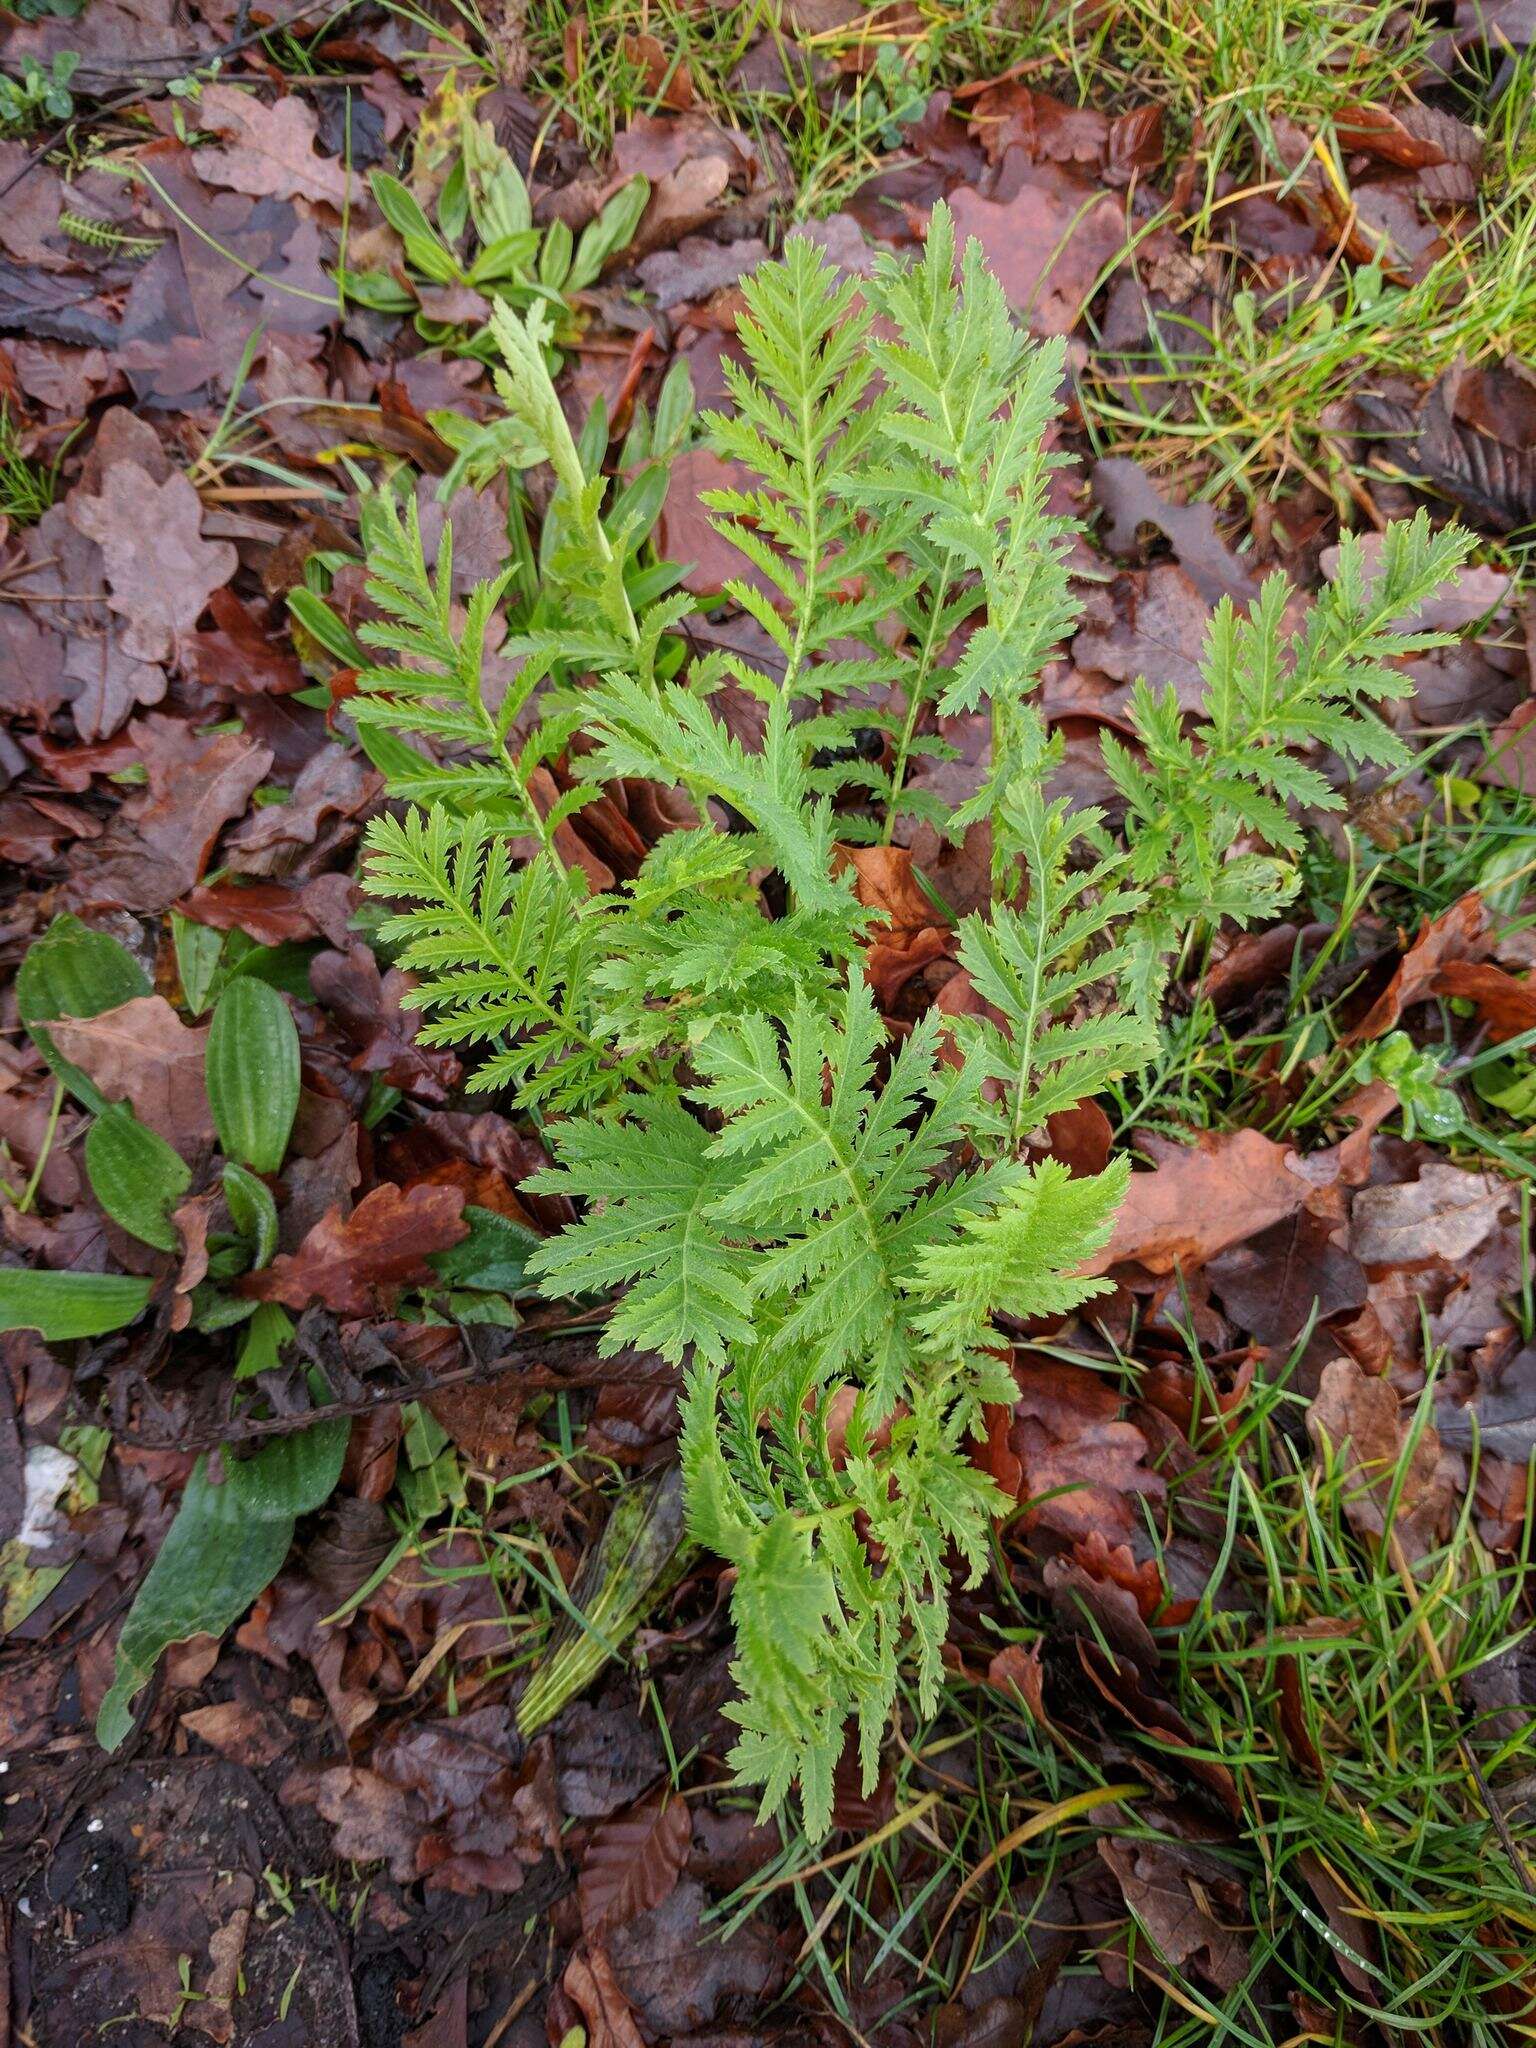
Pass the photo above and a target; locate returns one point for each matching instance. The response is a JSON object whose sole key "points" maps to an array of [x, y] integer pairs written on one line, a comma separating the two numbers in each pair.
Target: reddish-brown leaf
{"points": [[1361, 1422], [142, 1054], [160, 569], [1017, 1670], [1457, 934], [158, 845], [633, 1862], [1506, 1005], [1228, 1186], [1201, 1198], [1048, 243], [1176, 1893], [372, 1009], [355, 1264], [269, 152], [589, 1983]]}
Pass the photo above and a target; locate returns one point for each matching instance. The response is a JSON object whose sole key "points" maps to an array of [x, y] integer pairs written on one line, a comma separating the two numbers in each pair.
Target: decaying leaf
{"points": [[355, 1264], [1457, 934], [268, 151], [633, 1862], [142, 1054], [160, 570], [1359, 1421]]}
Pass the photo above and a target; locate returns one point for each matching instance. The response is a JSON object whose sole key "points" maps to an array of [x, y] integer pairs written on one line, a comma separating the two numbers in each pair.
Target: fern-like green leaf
{"points": [[651, 1227]]}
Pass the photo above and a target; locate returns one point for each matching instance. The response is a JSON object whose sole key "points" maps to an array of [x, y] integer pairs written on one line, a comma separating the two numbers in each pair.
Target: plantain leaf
{"points": [[252, 1073], [62, 1306], [216, 1557], [72, 971], [252, 1211], [135, 1175], [400, 207], [199, 948], [314, 615], [292, 1475]]}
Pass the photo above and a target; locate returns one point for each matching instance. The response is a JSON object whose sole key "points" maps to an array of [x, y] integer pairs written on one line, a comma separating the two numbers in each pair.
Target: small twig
{"points": [[619, 1371]]}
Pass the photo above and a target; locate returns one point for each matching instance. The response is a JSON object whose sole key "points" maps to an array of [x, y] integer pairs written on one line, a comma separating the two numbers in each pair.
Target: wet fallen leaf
{"points": [[1294, 1270], [333, 785], [676, 1980], [1359, 1421], [1201, 1198], [1506, 1004], [269, 152], [356, 1264], [373, 1820], [589, 1983], [633, 1862], [1174, 1894], [1456, 934], [142, 1054], [1081, 1464], [158, 845], [1152, 623], [240, 1730], [1444, 1214], [1500, 1417], [374, 1011], [1131, 500], [160, 570], [1049, 242]]}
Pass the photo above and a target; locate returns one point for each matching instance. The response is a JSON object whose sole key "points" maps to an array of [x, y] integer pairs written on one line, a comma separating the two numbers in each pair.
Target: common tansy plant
{"points": [[777, 1198]]}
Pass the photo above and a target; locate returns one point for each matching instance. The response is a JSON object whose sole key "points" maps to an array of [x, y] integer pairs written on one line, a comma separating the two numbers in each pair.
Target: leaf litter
{"points": [[600, 1875]]}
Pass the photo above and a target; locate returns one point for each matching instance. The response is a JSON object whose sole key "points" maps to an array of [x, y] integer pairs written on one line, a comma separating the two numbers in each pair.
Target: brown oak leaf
{"points": [[352, 1264], [1176, 1894], [267, 151], [1456, 934], [160, 570], [1362, 1424], [157, 846]]}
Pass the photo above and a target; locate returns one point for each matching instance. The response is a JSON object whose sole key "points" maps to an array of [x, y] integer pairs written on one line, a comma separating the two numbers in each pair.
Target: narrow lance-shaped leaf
{"points": [[135, 1175], [252, 1073], [63, 1306]]}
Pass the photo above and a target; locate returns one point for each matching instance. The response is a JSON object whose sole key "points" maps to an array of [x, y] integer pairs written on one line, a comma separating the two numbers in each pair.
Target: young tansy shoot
{"points": [[776, 1197]]}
